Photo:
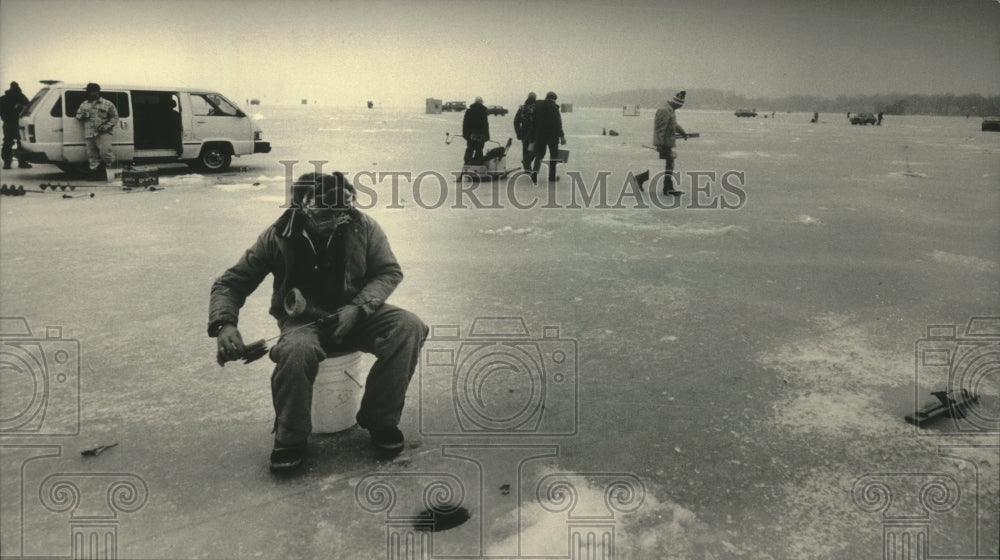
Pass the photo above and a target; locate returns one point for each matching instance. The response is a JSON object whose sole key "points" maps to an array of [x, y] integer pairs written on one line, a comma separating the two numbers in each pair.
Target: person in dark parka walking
{"points": [[475, 130], [548, 135]]}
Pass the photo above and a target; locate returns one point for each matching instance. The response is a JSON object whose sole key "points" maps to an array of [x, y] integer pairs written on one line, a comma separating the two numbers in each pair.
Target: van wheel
{"points": [[215, 158]]}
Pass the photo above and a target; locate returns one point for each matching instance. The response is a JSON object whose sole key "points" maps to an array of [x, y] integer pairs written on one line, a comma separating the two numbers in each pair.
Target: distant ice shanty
{"points": [[255, 101], [305, 101], [630, 111], [434, 106], [566, 107]]}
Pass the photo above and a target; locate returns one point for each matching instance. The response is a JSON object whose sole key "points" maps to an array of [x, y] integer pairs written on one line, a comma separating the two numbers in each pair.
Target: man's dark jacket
{"points": [[11, 104], [371, 272], [476, 121], [548, 122]]}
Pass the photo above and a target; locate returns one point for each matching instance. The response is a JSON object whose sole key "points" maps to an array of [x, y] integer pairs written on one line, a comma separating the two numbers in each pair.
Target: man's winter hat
{"points": [[551, 95], [325, 190], [479, 100], [532, 96], [679, 98], [93, 87]]}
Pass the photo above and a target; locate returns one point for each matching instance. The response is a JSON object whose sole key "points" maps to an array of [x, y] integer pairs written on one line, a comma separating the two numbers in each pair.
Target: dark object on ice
{"points": [[447, 516], [991, 124], [505, 489], [948, 405], [815, 118], [863, 118], [746, 113], [612, 132], [370, 104], [97, 450], [604, 132], [140, 176], [642, 178]]}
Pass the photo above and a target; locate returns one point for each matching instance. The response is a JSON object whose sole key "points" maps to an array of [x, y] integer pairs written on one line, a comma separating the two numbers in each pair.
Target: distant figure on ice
{"points": [[548, 136], [340, 260], [475, 130], [665, 132], [99, 118], [12, 103], [815, 118], [879, 123], [524, 129]]}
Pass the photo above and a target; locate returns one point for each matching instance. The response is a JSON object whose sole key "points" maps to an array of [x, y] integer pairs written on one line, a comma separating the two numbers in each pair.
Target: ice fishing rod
{"points": [[295, 305]]}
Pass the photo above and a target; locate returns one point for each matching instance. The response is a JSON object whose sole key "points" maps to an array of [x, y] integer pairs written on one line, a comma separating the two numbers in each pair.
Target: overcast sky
{"points": [[397, 53]]}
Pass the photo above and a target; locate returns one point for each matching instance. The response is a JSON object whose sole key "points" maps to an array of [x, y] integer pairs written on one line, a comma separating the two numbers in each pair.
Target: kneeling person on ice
{"points": [[340, 260]]}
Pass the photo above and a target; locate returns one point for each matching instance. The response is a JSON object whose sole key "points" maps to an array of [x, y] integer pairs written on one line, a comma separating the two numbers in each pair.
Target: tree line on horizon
{"points": [[888, 103]]}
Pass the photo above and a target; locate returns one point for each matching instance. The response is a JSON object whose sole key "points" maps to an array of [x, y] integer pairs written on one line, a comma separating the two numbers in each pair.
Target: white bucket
{"points": [[337, 393]]}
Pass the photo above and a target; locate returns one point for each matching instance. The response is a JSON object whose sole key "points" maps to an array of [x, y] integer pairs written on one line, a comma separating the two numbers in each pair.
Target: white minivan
{"points": [[156, 125]]}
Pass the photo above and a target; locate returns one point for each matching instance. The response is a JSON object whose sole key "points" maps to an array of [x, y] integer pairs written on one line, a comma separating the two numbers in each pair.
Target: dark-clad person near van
{"points": [[12, 103], [99, 118], [475, 130], [340, 260], [548, 135]]}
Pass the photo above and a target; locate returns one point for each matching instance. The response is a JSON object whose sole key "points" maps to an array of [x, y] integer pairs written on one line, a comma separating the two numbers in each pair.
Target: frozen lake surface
{"points": [[749, 365]]}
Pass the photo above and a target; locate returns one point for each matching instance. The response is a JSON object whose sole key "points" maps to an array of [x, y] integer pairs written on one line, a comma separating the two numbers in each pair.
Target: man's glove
{"points": [[230, 344], [347, 317], [562, 140]]}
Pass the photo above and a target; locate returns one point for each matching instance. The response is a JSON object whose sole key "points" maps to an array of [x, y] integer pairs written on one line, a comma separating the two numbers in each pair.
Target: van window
{"points": [[212, 105], [75, 98], [35, 101]]}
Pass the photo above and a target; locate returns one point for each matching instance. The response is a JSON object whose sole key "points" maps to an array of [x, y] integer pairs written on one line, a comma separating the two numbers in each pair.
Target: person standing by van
{"points": [[12, 103], [99, 118]]}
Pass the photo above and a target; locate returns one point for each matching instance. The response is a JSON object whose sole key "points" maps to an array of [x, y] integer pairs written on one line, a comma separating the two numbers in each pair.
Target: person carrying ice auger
{"points": [[340, 261], [665, 133]]}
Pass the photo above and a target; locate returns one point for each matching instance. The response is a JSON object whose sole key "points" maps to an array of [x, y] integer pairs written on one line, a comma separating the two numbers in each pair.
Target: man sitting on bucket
{"points": [[340, 260]]}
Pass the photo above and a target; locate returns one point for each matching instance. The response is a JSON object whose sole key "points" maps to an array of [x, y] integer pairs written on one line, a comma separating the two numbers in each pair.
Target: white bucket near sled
{"points": [[337, 392]]}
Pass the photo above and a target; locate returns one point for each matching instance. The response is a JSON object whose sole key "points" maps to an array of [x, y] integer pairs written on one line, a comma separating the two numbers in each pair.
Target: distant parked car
{"points": [[454, 106], [496, 110], [863, 118], [746, 113], [991, 123]]}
